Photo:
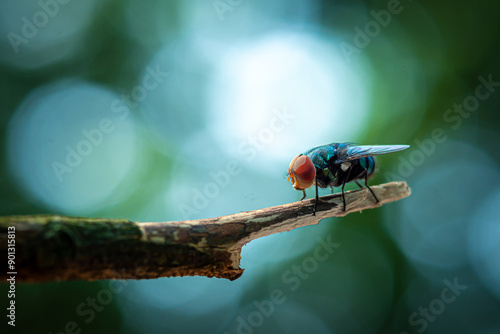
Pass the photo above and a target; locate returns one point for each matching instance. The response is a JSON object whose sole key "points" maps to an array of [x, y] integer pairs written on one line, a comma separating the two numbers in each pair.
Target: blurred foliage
{"points": [[391, 262]]}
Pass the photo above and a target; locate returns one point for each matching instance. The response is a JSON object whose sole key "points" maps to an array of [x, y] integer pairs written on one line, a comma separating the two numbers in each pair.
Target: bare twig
{"points": [[51, 247]]}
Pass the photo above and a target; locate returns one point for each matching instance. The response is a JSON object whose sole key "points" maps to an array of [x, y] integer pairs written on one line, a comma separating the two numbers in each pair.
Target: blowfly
{"points": [[336, 164]]}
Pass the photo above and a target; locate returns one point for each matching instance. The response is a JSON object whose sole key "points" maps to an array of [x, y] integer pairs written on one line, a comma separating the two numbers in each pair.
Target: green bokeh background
{"points": [[428, 58]]}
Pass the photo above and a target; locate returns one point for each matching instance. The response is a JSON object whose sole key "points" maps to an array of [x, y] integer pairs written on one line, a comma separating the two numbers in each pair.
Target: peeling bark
{"points": [[54, 248]]}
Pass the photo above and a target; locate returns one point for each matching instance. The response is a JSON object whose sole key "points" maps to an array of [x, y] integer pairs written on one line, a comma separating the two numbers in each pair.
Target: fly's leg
{"points": [[304, 194], [343, 196], [343, 185], [331, 188], [366, 184], [316, 199]]}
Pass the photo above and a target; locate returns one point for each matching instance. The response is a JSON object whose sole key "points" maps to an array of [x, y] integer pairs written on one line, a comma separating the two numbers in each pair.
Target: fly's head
{"points": [[301, 172]]}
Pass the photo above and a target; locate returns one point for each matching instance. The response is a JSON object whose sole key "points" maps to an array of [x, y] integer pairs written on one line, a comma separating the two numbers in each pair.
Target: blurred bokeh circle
{"points": [[42, 33], [70, 147]]}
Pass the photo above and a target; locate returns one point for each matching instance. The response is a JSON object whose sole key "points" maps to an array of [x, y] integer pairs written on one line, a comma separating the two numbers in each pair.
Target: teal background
{"points": [[230, 68]]}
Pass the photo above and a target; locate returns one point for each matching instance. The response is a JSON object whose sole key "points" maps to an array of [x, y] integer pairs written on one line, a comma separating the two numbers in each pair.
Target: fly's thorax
{"points": [[325, 177]]}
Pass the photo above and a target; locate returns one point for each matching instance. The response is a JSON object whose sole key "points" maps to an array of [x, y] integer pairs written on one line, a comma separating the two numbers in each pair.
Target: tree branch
{"points": [[52, 248]]}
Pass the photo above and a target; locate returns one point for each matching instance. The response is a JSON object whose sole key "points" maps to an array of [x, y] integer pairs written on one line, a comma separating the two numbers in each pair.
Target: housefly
{"points": [[336, 164]]}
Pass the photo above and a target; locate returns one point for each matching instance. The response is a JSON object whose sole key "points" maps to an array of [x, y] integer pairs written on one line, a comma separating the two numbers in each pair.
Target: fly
{"points": [[336, 164]]}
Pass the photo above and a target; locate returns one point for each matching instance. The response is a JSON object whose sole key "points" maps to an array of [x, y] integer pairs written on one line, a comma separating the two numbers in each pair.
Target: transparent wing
{"points": [[357, 152]]}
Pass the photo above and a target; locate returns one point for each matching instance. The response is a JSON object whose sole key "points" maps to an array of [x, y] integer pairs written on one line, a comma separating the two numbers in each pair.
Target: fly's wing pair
{"points": [[349, 153]]}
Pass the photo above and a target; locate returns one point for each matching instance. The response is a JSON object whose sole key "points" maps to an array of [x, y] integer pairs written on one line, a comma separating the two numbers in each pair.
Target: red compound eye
{"points": [[302, 172], [304, 169]]}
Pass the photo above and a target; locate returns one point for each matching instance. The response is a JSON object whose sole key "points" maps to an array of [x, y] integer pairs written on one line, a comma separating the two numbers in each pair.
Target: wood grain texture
{"points": [[54, 248]]}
